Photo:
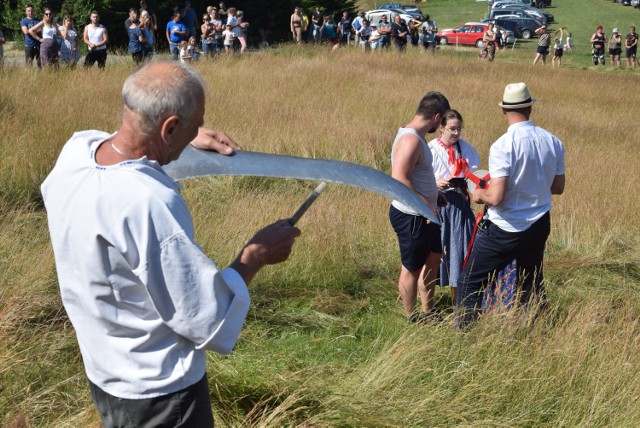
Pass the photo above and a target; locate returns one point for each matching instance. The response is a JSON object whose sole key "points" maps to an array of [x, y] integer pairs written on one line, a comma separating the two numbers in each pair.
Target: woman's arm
{"points": [[33, 31]]}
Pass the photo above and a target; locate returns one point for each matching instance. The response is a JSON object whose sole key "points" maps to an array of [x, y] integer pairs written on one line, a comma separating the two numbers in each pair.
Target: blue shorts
{"points": [[416, 238]]}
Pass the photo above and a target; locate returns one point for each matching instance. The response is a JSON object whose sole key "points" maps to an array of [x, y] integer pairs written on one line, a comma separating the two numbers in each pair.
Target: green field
{"points": [[325, 343]]}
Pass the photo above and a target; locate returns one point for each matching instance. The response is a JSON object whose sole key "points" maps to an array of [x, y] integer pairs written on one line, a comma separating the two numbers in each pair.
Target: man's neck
{"points": [[421, 125]]}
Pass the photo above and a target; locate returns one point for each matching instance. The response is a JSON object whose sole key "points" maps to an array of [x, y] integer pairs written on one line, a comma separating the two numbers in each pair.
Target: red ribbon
{"points": [[459, 164], [482, 183]]}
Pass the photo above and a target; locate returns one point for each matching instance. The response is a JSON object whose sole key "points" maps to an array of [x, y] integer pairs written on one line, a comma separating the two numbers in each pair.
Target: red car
{"points": [[466, 34]]}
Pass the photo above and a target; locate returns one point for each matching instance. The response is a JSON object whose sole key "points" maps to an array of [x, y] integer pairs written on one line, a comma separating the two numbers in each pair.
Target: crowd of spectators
{"points": [[224, 30]]}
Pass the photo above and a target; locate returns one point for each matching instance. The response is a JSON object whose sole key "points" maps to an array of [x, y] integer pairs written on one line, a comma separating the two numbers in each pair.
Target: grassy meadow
{"points": [[325, 343]]}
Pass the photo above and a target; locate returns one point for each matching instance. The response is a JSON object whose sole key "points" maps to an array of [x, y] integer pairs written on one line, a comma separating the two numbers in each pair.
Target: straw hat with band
{"points": [[516, 95]]}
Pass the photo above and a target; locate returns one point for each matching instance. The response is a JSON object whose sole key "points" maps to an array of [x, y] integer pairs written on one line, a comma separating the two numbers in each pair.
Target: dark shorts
{"points": [[631, 52], [416, 238], [558, 53], [543, 50], [190, 407], [99, 56], [615, 51]]}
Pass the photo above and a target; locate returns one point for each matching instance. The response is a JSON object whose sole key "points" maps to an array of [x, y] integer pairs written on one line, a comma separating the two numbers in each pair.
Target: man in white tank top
{"points": [[96, 39], [418, 238]]}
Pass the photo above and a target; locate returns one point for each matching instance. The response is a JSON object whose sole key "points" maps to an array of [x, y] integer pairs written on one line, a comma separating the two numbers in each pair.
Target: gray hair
{"points": [[159, 90]]}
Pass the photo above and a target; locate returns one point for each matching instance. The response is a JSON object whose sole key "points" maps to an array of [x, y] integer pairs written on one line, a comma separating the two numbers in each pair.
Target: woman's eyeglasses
{"points": [[455, 130]]}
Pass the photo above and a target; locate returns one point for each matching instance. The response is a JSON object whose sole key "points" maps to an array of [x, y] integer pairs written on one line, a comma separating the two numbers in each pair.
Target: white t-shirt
{"points": [[422, 177], [530, 157], [144, 299], [441, 167]]}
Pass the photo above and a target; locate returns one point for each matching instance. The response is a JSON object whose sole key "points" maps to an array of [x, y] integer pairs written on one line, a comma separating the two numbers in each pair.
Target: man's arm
{"points": [[271, 245], [557, 186], [406, 156], [494, 194], [105, 39]]}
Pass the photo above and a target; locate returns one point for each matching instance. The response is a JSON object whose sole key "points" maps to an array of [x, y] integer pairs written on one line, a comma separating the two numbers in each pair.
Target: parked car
{"points": [[468, 34], [523, 13], [406, 7], [532, 3], [534, 10], [376, 14], [527, 27]]}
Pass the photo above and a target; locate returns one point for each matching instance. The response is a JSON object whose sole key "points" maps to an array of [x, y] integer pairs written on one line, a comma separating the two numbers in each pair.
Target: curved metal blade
{"points": [[200, 163]]}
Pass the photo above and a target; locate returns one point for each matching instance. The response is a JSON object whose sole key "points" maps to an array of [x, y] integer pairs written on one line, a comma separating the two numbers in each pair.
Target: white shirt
{"points": [[144, 299], [96, 35], [441, 167], [422, 177], [530, 157]]}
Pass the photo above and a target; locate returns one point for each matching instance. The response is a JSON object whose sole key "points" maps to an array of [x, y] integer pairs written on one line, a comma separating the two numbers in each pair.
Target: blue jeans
{"points": [[174, 49], [493, 249], [317, 32], [208, 49]]}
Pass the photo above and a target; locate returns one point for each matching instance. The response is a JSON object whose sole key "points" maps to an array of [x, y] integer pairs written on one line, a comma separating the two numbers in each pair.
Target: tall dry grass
{"points": [[325, 343]]}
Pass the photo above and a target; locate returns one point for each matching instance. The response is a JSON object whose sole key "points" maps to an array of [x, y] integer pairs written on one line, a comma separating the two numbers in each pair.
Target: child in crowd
{"points": [[557, 52], [184, 52], [241, 31], [192, 49], [228, 39], [568, 44]]}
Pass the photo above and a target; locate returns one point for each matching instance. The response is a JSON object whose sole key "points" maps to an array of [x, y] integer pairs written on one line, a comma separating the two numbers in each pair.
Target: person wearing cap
{"points": [[418, 237], [189, 19], [631, 47], [375, 37], [544, 41], [526, 165], [615, 48], [598, 41]]}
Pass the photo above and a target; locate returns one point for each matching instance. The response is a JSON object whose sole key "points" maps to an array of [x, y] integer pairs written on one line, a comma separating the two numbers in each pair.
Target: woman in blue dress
{"points": [[453, 157]]}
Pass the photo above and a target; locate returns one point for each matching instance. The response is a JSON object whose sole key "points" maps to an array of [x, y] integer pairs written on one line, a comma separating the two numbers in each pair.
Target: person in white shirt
{"points": [[453, 159], [526, 166], [96, 39], [144, 299]]}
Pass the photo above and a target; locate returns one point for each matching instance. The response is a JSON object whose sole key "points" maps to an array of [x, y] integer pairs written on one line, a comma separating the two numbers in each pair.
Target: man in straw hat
{"points": [[526, 166]]}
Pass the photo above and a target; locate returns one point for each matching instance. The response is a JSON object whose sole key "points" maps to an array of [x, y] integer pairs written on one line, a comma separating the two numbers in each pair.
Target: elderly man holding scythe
{"points": [[144, 299]]}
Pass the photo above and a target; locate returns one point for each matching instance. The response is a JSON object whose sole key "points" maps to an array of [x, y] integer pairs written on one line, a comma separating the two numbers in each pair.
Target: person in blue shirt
{"points": [[189, 19], [345, 29], [31, 43], [176, 32]]}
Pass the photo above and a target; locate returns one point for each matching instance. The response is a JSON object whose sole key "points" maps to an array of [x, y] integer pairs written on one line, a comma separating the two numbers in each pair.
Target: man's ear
{"points": [[168, 128]]}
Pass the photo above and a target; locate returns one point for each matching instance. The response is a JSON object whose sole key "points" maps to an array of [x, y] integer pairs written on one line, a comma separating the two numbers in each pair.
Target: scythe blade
{"points": [[200, 163]]}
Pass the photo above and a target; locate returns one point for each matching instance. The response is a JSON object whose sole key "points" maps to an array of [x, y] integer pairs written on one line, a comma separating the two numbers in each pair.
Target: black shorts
{"points": [[558, 53], [615, 51], [543, 50], [416, 238], [631, 52]]}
